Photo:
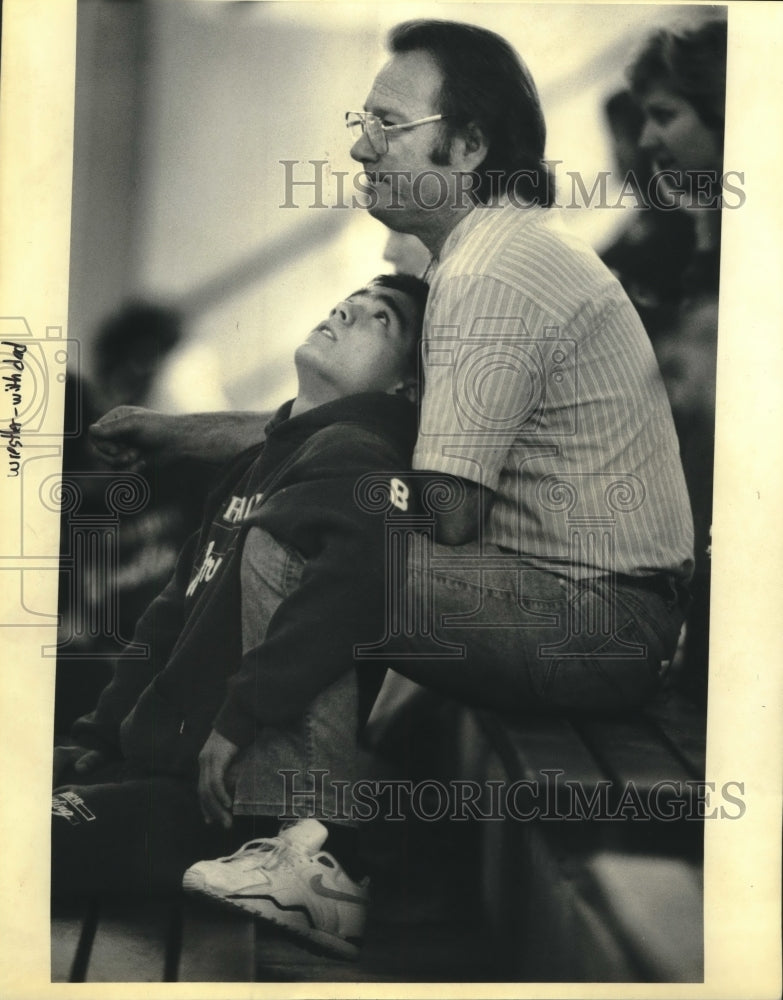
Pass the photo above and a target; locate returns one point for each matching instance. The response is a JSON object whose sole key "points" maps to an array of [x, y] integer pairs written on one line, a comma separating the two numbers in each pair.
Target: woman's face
{"points": [[674, 136]]}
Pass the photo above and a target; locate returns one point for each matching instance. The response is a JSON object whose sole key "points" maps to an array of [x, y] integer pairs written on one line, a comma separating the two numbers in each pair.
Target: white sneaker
{"points": [[289, 881]]}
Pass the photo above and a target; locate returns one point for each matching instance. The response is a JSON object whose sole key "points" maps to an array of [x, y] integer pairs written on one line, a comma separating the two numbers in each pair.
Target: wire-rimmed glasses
{"points": [[365, 123]]}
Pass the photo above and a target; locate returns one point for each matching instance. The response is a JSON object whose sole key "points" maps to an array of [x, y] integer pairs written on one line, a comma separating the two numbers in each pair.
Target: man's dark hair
{"points": [[485, 83], [417, 290], [691, 64]]}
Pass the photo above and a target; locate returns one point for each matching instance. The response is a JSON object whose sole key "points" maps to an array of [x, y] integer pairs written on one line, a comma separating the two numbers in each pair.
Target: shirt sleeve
{"points": [[339, 601], [482, 377]]}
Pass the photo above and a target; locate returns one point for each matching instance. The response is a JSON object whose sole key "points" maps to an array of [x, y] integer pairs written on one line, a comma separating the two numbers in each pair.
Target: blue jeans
{"points": [[488, 627], [307, 768]]}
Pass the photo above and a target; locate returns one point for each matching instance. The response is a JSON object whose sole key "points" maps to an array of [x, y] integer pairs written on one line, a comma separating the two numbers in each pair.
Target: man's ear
{"points": [[469, 148]]}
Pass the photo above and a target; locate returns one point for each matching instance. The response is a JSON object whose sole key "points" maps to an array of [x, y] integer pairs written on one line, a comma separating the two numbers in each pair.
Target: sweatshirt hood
{"points": [[394, 416]]}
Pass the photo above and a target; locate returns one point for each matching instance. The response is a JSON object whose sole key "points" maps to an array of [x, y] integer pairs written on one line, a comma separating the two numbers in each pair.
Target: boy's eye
{"points": [[383, 316]]}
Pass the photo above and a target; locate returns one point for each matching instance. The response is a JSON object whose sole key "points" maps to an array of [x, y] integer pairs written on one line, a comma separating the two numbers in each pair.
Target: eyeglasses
{"points": [[364, 123]]}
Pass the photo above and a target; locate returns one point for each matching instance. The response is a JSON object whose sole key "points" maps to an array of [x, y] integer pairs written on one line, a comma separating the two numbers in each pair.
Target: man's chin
{"points": [[394, 218]]}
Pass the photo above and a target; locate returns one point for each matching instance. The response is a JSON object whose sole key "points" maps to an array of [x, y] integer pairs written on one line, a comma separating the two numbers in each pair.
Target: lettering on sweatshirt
{"points": [[236, 510]]}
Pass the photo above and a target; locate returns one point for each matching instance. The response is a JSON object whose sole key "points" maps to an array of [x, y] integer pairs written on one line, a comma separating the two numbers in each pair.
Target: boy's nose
{"points": [[345, 312]]}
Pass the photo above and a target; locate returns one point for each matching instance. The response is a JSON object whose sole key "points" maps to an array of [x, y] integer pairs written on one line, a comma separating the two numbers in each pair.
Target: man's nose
{"points": [[362, 150]]}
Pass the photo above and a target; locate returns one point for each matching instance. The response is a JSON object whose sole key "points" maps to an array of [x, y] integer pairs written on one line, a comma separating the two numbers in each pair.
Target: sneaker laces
{"points": [[272, 851]]}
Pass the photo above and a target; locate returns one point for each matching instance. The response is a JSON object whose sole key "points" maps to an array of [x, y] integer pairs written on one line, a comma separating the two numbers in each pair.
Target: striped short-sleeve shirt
{"points": [[540, 383]]}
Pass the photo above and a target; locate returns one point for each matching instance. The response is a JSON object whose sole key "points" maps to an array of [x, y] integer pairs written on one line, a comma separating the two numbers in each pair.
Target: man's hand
{"points": [[213, 792], [462, 525], [80, 758], [128, 437]]}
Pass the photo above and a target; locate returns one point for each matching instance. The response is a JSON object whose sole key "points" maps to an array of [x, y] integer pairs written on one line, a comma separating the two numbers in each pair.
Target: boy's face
{"points": [[365, 345]]}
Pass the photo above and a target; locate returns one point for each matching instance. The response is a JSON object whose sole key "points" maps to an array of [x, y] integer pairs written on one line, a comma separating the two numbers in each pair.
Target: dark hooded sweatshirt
{"points": [[300, 485]]}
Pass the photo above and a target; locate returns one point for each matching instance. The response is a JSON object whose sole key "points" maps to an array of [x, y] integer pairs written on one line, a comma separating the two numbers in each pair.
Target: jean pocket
{"points": [[543, 595]]}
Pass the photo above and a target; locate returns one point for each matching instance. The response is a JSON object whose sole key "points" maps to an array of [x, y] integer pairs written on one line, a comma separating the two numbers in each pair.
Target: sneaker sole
{"points": [[293, 921]]}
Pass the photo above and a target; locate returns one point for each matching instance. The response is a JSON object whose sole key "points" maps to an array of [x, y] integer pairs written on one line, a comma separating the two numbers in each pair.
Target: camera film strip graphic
{"points": [[34, 370], [494, 351], [33, 375], [41, 364]]}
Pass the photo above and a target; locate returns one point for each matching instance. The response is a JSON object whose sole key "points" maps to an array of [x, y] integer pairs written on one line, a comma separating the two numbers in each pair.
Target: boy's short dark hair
{"points": [[417, 290]]}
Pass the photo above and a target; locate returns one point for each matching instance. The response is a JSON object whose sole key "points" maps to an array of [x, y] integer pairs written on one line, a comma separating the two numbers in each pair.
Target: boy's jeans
{"points": [[307, 768]]}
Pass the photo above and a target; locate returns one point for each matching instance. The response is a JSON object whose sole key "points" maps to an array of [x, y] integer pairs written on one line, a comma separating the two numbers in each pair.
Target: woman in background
{"points": [[679, 82]]}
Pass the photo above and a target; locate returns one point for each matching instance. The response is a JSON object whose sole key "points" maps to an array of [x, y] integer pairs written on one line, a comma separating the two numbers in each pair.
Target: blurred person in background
{"points": [[129, 350], [679, 81], [651, 252]]}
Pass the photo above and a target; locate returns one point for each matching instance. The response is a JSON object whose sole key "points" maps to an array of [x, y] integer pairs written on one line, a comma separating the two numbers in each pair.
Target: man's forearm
{"points": [[218, 437], [462, 524], [131, 436]]}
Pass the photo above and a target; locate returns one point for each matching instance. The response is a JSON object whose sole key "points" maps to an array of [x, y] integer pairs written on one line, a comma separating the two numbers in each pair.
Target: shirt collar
{"points": [[450, 243], [470, 222]]}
